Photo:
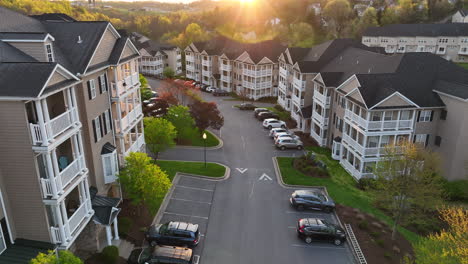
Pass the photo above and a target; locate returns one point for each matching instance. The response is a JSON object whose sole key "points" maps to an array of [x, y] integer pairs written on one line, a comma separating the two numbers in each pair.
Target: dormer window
{"points": [[49, 53]]}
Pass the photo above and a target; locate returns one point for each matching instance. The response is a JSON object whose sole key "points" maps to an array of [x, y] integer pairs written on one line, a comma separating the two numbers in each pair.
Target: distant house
{"points": [[461, 16], [316, 7]]}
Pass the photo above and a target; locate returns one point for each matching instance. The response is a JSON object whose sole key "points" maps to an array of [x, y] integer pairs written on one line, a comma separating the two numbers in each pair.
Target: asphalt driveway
{"points": [[250, 220]]}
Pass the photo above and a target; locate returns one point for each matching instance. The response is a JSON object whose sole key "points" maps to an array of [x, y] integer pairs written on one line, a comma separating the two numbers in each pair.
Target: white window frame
{"points": [[92, 87], [97, 126], [49, 55], [425, 116], [102, 79], [113, 165], [420, 138], [107, 121]]}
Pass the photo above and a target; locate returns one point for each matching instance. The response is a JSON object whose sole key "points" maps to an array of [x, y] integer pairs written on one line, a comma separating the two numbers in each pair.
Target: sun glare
{"points": [[246, 1]]}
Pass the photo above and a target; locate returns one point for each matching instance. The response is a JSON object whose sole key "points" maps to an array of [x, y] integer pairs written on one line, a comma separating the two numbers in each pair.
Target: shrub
{"points": [[125, 224], [110, 255], [366, 183], [380, 242], [279, 108], [363, 225], [456, 190], [374, 234], [387, 255]]}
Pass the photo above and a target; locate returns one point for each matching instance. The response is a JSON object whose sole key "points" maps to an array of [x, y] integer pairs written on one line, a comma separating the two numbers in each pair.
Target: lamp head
{"points": [[204, 135]]}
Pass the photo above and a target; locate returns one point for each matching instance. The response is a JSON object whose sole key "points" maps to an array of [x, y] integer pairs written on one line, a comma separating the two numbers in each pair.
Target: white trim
{"points": [[113, 31], [6, 218], [349, 79], [48, 36], [393, 94], [360, 95], [132, 47], [451, 96], [51, 52]]}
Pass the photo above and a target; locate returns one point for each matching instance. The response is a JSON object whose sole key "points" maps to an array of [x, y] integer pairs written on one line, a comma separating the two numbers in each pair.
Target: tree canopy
{"points": [[159, 134], [206, 114], [65, 257], [183, 122], [338, 13]]}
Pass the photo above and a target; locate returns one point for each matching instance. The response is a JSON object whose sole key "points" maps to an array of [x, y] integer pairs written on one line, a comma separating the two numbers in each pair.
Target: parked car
{"points": [[220, 92], [310, 229], [268, 123], [289, 143], [210, 89], [246, 106], [285, 132], [279, 136], [161, 254], [264, 115], [273, 131], [259, 110], [309, 199], [174, 234]]}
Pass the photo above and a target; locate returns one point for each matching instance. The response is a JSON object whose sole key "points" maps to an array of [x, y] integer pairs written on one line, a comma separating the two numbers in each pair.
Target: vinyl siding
{"points": [[33, 49], [19, 173], [104, 48], [56, 78]]}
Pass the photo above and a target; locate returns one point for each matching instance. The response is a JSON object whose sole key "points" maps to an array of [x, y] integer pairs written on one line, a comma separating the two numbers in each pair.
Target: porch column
{"points": [[70, 105], [116, 82], [47, 119], [116, 229], [80, 144], [42, 126], [109, 235], [119, 115], [60, 223], [57, 170], [51, 174], [73, 100], [88, 195], [76, 150], [65, 220]]}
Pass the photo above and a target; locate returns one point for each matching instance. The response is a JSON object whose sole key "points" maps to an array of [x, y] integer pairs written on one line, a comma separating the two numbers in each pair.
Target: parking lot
{"points": [[191, 202]]}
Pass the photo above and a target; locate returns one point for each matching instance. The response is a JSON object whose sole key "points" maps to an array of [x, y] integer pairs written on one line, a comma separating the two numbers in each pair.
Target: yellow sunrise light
{"points": [[246, 1]]}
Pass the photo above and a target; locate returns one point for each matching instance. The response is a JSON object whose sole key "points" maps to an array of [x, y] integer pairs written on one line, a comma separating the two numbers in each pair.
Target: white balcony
{"points": [[378, 125], [120, 87], [321, 120], [57, 184], [350, 168], [129, 119], [347, 140], [299, 84], [206, 73], [283, 72], [322, 99], [206, 63], [225, 67], [257, 73], [179, 57], [135, 146], [152, 72], [321, 141], [190, 67], [282, 87], [190, 58], [54, 127], [225, 78]]}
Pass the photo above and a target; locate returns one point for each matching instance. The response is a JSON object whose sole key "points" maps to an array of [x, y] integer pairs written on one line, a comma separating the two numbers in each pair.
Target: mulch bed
{"points": [[374, 237], [307, 139], [309, 167], [141, 218], [95, 259]]}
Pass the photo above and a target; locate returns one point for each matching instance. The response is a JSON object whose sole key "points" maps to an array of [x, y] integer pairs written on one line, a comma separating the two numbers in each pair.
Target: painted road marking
{"points": [[193, 188], [264, 177], [292, 227], [242, 170], [202, 217], [314, 246], [186, 200], [196, 259]]}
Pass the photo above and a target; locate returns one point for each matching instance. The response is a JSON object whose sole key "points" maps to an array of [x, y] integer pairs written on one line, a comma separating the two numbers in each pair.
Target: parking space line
{"points": [[292, 227], [193, 188], [202, 217], [196, 259], [185, 200], [313, 246]]}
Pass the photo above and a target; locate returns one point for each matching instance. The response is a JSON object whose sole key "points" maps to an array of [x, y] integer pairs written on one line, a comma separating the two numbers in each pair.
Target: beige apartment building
{"points": [[360, 100], [449, 40], [461, 16], [155, 56], [250, 69], [69, 91]]}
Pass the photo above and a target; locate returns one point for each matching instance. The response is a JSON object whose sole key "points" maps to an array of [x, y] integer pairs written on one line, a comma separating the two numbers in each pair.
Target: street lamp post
{"points": [[204, 149]]}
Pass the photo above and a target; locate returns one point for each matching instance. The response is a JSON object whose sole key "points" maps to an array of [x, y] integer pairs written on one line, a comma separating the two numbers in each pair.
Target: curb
{"points": [[162, 208], [220, 145]]}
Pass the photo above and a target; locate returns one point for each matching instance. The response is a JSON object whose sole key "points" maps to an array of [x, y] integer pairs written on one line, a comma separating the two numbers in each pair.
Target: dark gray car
{"points": [[315, 200]]}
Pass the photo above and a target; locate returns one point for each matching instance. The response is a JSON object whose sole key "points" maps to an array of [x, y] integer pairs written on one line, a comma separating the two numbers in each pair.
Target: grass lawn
{"points": [[464, 65], [197, 140], [341, 186], [198, 168], [283, 115]]}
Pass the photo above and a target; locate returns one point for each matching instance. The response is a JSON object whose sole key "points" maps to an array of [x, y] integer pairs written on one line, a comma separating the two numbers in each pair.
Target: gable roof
{"points": [[463, 12], [9, 53], [118, 51], [54, 17], [11, 21], [423, 30]]}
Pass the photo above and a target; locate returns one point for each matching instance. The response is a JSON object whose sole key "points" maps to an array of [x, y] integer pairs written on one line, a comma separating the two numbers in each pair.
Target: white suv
{"points": [[273, 131], [273, 123]]}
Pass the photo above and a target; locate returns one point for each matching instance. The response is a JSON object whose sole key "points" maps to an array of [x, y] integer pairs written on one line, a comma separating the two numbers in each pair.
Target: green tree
{"points": [[338, 13], [206, 114], [408, 183], [159, 134], [143, 81], [368, 19], [450, 246], [301, 35], [183, 122], [168, 72], [65, 257], [389, 16], [143, 181]]}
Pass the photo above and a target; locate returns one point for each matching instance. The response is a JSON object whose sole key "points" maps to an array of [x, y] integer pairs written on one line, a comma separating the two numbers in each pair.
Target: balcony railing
{"points": [[54, 127], [56, 185], [350, 168], [282, 86], [283, 72], [190, 58], [225, 67], [152, 72], [353, 144], [206, 63], [257, 73], [299, 84], [71, 225], [128, 119], [225, 78], [190, 67], [378, 125], [321, 141], [322, 99], [151, 63], [120, 87], [323, 121]]}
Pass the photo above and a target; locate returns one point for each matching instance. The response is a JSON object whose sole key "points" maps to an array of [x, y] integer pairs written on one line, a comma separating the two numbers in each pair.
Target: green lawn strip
{"points": [[340, 186], [197, 140], [464, 65], [283, 115]]}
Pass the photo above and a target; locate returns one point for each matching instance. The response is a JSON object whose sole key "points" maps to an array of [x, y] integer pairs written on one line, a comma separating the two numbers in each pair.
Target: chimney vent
{"points": [[79, 40]]}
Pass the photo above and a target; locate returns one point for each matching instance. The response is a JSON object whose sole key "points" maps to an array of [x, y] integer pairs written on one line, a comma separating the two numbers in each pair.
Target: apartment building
{"points": [[69, 91], [449, 40], [155, 56], [247, 69], [363, 100], [297, 70], [461, 16]]}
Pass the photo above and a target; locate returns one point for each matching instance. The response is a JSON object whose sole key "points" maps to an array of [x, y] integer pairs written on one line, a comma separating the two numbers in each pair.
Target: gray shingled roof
{"points": [[424, 30], [23, 35], [54, 17], [13, 82], [9, 53], [459, 90], [12, 21]]}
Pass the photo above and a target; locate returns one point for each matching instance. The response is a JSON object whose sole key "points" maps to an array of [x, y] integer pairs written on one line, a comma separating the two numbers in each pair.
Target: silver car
{"points": [[289, 143], [285, 136], [274, 131]]}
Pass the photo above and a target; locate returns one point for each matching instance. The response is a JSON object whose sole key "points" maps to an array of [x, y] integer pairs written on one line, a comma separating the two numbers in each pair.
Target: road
{"points": [[251, 220]]}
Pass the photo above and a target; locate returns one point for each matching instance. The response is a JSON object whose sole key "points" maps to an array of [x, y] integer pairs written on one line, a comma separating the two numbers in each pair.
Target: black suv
{"points": [[310, 229], [264, 115], [220, 92], [257, 111], [174, 234], [247, 106], [306, 199], [161, 254]]}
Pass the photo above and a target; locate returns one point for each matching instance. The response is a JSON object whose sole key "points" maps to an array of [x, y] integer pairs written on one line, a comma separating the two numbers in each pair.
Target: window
{"points": [[438, 141], [102, 83], [425, 116], [106, 122], [110, 166], [97, 129], [49, 52], [421, 139], [91, 89], [443, 115], [441, 50]]}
